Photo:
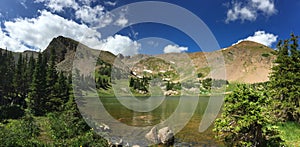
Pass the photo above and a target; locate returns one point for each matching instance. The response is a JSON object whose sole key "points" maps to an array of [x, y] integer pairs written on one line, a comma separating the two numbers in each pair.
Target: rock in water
{"points": [[152, 136], [163, 136], [166, 136]]}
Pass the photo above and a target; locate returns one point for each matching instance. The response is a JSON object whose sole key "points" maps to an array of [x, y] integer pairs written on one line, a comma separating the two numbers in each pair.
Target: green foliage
{"points": [[36, 86], [87, 139], [22, 132], [173, 86], [246, 119], [285, 80], [69, 123], [139, 83], [36, 99]]}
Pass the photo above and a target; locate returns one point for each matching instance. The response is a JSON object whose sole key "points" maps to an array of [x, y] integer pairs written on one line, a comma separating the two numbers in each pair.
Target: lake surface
{"points": [[131, 126]]}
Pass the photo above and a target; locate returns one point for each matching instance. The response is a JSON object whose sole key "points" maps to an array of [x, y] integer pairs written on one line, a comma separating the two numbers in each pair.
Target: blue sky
{"points": [[31, 24]]}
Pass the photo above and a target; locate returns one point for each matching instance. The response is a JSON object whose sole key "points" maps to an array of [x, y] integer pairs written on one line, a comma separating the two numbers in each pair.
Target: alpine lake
{"points": [[123, 121]]}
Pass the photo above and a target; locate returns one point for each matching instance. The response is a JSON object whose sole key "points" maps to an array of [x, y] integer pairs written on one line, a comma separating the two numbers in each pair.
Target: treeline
{"points": [[37, 106], [252, 113]]}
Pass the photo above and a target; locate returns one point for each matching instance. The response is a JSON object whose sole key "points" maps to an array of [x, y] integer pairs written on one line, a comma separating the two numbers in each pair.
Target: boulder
{"points": [[166, 136], [152, 136], [163, 136]]}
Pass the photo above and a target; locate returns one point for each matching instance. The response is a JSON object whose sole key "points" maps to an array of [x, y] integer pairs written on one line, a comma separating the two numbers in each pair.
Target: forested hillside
{"points": [[37, 106]]}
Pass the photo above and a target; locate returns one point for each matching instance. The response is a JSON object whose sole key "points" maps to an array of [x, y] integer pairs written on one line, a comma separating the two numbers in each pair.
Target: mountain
{"points": [[247, 61], [68, 49]]}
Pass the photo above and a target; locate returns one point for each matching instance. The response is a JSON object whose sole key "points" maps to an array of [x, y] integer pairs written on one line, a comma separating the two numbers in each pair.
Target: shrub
{"points": [[246, 119]]}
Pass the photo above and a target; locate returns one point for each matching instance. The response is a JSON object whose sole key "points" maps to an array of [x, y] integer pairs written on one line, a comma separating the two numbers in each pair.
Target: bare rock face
{"points": [[163, 136]]}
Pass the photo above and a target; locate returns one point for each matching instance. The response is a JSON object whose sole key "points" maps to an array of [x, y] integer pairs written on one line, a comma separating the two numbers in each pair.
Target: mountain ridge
{"points": [[245, 62]]}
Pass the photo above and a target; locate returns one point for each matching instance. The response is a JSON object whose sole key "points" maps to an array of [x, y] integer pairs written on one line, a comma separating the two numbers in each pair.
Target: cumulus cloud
{"points": [[250, 10], [94, 16], [35, 33], [121, 44], [59, 5], [38, 32], [122, 21], [266, 6], [238, 12], [9, 43], [174, 49], [262, 37]]}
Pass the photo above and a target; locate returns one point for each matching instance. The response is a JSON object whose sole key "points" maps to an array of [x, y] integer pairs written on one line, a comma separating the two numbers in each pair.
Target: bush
{"points": [[22, 132], [246, 119]]}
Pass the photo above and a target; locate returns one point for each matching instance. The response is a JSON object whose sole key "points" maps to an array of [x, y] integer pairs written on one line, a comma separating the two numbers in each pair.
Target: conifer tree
{"points": [[285, 80], [36, 101], [53, 99], [19, 82]]}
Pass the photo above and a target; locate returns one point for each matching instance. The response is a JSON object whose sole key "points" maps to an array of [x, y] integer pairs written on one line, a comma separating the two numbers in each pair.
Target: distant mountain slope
{"points": [[247, 62]]}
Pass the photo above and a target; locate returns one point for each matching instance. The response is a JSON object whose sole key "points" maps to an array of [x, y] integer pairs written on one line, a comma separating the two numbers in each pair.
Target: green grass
{"points": [[290, 133]]}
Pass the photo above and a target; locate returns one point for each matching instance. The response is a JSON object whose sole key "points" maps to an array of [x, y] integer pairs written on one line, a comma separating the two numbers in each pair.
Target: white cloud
{"points": [[238, 12], [250, 10], [38, 32], [86, 2], [59, 5], [35, 33], [110, 3], [174, 49], [122, 21], [266, 6], [96, 17], [9, 43], [121, 44], [262, 37]]}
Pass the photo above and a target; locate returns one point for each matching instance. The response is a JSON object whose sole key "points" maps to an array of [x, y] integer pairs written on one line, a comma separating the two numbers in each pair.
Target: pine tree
{"points": [[36, 100], [285, 80], [19, 82], [7, 85], [61, 93], [53, 101], [2, 102]]}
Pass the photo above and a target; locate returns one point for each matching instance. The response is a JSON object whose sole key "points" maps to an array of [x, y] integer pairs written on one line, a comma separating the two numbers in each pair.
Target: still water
{"points": [[131, 126]]}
